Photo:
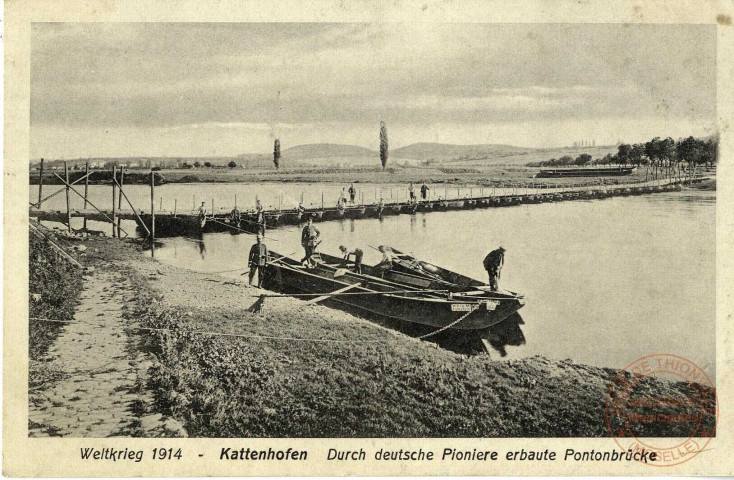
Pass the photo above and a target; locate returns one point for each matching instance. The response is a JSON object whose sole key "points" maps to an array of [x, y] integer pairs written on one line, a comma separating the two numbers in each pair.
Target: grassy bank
{"points": [[486, 175], [53, 291], [312, 371]]}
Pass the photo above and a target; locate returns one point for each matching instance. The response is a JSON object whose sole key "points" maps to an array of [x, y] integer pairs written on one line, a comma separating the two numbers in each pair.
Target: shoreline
{"points": [[486, 175], [296, 371]]}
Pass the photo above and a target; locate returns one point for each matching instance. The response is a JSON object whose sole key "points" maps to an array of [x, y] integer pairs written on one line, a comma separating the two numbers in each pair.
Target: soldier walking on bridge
{"points": [[424, 191]]}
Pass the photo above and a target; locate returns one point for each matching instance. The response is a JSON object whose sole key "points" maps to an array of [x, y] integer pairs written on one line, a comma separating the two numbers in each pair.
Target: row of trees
{"points": [[198, 164], [661, 156]]}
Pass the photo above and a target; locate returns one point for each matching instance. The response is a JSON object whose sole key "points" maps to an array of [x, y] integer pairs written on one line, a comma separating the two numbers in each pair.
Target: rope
{"points": [[447, 326], [220, 334]]}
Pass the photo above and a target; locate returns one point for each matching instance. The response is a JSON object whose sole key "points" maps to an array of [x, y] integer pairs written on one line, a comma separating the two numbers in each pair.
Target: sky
{"points": [[167, 89]]}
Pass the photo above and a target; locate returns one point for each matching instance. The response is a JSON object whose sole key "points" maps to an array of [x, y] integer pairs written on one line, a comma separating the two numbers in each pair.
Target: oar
{"points": [[339, 293], [335, 292]]}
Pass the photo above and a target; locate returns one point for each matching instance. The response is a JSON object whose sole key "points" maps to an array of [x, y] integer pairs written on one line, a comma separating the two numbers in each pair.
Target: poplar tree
{"points": [[383, 144], [276, 154]]}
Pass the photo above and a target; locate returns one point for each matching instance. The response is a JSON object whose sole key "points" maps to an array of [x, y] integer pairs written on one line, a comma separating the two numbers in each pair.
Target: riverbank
{"points": [[53, 292], [291, 370], [484, 175]]}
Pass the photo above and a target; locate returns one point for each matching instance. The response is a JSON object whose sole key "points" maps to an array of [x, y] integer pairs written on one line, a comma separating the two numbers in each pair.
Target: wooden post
{"points": [[193, 199], [322, 199], [152, 214], [160, 207], [119, 198], [40, 185], [235, 200], [212, 206], [68, 200], [114, 198], [175, 206], [86, 190]]}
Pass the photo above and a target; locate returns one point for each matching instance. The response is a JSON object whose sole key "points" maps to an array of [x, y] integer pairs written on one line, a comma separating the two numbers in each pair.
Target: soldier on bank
{"points": [[310, 239], [258, 260]]}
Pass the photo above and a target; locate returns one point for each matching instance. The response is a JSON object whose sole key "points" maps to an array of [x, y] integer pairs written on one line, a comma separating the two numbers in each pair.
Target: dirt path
{"points": [[100, 391]]}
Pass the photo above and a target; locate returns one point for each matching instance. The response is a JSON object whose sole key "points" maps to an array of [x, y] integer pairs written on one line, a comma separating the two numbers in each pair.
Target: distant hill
{"points": [[442, 152], [326, 150]]}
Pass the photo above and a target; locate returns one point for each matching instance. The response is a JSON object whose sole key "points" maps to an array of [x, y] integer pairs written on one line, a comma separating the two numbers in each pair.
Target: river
{"points": [[606, 281]]}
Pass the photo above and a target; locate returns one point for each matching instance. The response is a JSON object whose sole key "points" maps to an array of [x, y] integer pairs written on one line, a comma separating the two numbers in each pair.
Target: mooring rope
{"points": [[447, 326]]}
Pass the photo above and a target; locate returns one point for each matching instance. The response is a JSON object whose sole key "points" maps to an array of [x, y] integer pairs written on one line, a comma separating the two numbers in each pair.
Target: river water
{"points": [[606, 281]]}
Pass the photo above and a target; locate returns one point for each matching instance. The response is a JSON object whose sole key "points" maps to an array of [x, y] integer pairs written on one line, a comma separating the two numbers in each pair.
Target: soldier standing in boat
{"points": [[309, 240], [411, 192], [358, 254], [258, 260], [493, 265], [352, 193], [385, 264]]}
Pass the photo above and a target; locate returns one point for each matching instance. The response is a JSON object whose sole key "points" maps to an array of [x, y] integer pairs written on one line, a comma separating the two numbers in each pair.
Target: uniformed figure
{"points": [[358, 254], [352, 193], [424, 191], [202, 214], [411, 191], [258, 260], [260, 218], [493, 265], [343, 197], [385, 264], [309, 240]]}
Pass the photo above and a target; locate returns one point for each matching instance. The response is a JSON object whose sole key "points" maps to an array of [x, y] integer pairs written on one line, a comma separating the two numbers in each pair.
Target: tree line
{"points": [[661, 156]]}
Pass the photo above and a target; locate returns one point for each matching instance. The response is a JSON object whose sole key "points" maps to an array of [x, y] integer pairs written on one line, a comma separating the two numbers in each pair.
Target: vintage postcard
{"points": [[346, 238]]}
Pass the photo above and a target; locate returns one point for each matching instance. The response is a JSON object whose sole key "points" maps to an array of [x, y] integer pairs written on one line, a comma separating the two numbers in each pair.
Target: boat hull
{"points": [[434, 311]]}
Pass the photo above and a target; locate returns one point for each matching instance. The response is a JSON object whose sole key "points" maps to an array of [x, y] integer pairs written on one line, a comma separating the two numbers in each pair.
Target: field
{"points": [[454, 174], [424, 162]]}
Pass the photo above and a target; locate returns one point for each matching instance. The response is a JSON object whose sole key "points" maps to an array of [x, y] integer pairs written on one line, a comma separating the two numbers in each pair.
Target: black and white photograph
{"points": [[373, 230]]}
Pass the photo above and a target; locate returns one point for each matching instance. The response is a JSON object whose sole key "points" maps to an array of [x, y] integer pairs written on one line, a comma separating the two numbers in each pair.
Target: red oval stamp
{"points": [[662, 410]]}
